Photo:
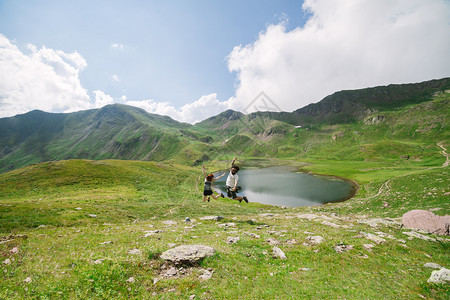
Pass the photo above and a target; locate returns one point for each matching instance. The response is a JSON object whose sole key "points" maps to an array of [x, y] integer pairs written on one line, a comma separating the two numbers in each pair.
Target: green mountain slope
{"points": [[115, 131]]}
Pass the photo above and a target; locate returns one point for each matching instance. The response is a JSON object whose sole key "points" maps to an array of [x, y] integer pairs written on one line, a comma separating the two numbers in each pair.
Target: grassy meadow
{"points": [[95, 229]]}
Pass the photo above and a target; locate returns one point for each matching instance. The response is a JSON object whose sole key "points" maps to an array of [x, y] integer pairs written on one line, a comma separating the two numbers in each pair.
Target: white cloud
{"points": [[117, 46], [102, 99], [44, 79], [115, 77], [345, 45], [205, 107]]}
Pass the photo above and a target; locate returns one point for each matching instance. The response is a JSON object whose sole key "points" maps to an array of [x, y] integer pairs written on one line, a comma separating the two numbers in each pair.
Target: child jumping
{"points": [[207, 191]]}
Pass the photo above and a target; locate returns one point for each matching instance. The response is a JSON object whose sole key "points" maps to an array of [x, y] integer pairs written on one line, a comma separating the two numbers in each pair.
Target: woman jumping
{"points": [[207, 191]]}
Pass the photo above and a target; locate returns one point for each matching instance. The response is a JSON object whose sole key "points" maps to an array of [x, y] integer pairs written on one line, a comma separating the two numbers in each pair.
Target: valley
{"points": [[90, 200]]}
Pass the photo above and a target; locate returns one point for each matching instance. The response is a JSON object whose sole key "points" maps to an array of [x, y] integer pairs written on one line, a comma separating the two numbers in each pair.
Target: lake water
{"points": [[284, 186]]}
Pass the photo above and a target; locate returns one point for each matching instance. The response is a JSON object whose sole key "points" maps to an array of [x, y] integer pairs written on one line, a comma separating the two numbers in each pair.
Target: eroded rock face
{"points": [[188, 253], [426, 220]]}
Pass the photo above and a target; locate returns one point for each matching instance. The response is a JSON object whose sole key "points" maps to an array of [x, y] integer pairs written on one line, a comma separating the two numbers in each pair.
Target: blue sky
{"points": [[193, 59]]}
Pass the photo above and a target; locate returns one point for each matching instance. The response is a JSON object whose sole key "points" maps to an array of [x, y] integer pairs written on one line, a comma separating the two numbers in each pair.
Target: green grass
{"points": [[131, 198]]}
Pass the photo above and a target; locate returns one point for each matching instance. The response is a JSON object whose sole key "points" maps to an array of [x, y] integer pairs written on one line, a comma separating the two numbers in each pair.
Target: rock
{"points": [[414, 234], [441, 276], [368, 246], [426, 220], [291, 242], [272, 241], [106, 243], [253, 235], [331, 224], [171, 272], [340, 248], [170, 222], [78, 208], [98, 261], [307, 216], [232, 239], [206, 274], [92, 215], [130, 280], [374, 238], [432, 266], [152, 232], [277, 252], [266, 215], [7, 261], [211, 218], [134, 251], [14, 250], [187, 219], [28, 280], [188, 253], [305, 269], [227, 225], [314, 240], [192, 297]]}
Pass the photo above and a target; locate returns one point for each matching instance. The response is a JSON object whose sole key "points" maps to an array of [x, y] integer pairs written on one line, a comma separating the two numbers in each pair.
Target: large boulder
{"points": [[441, 276], [426, 220], [188, 253]]}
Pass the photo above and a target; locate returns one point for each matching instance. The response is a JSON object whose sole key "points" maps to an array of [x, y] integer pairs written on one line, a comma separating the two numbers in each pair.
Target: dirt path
{"points": [[445, 154]]}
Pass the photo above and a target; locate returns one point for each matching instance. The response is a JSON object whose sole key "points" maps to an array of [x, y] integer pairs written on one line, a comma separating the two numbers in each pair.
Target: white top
{"points": [[232, 179]]}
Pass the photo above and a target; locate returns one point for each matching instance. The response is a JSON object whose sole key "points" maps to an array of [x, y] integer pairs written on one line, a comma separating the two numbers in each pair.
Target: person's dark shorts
{"points": [[207, 192], [230, 193]]}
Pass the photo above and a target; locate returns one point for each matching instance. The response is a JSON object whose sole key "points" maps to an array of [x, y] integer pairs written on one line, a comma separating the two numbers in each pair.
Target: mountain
{"points": [[353, 105], [114, 131], [411, 117]]}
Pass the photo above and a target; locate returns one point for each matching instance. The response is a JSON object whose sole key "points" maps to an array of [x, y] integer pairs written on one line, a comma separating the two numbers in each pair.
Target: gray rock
{"points": [[134, 251], [272, 241], [432, 266], [232, 239], [187, 219], [188, 253], [374, 238], [211, 218], [441, 276], [314, 240], [277, 252], [340, 248], [206, 274], [414, 234]]}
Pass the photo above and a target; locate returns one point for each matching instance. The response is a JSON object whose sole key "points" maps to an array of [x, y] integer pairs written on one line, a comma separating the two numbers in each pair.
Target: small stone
{"points": [[155, 280], [106, 243], [227, 225], [368, 246], [279, 253], [187, 219], [305, 269], [192, 297], [211, 218], [170, 222], [130, 280], [432, 266], [341, 248], [272, 241], [98, 261], [206, 274], [28, 280], [441, 276], [134, 251], [92, 215], [171, 272], [7, 261], [314, 240], [374, 238], [78, 208], [232, 239], [14, 250]]}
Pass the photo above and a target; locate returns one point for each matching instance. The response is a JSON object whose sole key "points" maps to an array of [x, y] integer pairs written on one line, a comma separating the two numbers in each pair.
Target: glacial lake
{"points": [[284, 185]]}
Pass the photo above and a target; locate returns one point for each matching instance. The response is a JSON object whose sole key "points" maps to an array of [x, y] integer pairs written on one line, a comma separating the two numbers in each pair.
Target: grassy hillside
{"points": [[95, 229]]}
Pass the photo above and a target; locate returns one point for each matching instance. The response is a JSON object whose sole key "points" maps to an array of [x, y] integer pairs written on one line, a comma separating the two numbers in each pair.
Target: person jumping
{"points": [[232, 183], [207, 191]]}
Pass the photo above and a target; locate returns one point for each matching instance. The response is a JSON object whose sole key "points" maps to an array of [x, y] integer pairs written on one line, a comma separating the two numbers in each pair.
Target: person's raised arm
{"points": [[203, 169], [219, 176], [232, 162]]}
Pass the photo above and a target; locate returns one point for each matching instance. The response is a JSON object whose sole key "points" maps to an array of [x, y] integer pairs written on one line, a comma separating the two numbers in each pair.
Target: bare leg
{"points": [[204, 198]]}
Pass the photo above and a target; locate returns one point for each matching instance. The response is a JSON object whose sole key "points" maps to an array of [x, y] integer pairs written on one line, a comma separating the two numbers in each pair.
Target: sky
{"points": [[191, 60]]}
